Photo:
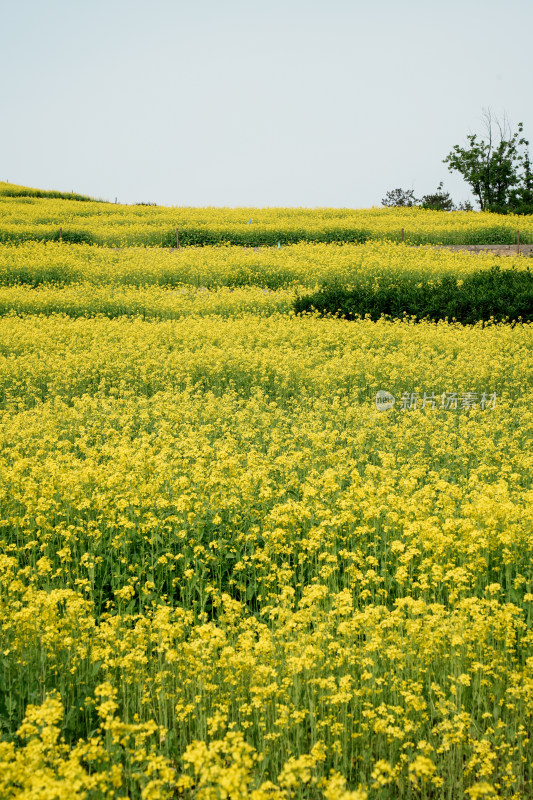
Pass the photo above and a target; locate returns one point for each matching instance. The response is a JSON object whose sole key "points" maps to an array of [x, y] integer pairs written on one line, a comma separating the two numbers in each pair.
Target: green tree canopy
{"points": [[439, 200], [400, 197], [495, 165]]}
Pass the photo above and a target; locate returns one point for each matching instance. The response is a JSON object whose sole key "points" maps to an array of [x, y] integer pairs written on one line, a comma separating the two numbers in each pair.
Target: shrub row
{"points": [[264, 237], [69, 235], [22, 191], [202, 237], [152, 236], [498, 294]]}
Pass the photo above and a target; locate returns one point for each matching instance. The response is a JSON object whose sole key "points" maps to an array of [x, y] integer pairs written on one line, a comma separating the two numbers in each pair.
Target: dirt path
{"points": [[494, 249]]}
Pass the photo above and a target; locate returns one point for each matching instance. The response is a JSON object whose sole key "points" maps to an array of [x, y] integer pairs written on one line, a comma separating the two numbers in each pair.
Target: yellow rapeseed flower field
{"points": [[224, 573], [26, 217]]}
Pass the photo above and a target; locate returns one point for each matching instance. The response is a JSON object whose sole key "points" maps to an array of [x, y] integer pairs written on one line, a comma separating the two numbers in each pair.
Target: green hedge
{"points": [[39, 193], [68, 235], [255, 237], [499, 294]]}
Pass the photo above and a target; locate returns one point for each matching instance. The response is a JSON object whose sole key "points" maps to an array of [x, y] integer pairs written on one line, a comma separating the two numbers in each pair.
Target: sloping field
{"points": [[224, 573], [26, 217]]}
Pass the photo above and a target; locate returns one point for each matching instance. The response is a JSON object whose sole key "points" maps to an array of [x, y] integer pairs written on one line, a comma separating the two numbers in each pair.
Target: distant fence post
{"points": [[61, 234], [518, 242], [402, 234], [177, 239]]}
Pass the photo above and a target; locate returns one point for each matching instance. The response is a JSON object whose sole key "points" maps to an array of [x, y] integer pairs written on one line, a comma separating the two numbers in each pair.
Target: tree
{"points": [[496, 165], [400, 197], [522, 198], [439, 200]]}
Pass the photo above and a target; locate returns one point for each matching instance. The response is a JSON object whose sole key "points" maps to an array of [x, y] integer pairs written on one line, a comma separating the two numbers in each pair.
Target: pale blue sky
{"points": [[275, 103]]}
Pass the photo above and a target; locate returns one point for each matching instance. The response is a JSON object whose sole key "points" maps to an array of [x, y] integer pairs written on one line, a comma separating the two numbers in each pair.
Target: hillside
{"points": [[33, 214]]}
